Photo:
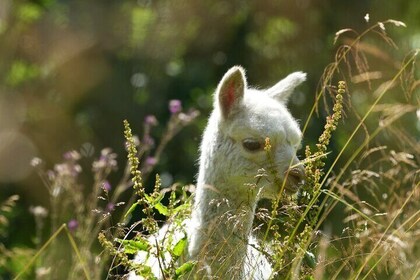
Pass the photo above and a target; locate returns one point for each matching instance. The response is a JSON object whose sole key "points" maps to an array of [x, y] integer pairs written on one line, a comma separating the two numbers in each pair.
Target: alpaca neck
{"points": [[223, 224], [223, 210]]}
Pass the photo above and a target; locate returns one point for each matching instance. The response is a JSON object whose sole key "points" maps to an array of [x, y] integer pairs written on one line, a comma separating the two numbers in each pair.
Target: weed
{"points": [[364, 180]]}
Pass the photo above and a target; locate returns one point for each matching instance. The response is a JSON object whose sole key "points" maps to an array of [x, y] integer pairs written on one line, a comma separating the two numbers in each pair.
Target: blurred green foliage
{"points": [[29, 12], [21, 72]]}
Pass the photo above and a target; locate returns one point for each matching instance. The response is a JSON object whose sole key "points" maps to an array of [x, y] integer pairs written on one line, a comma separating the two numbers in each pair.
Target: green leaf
{"points": [[159, 198], [185, 268], [148, 198], [162, 209], [144, 271], [179, 247], [182, 207], [131, 209], [153, 200], [310, 259], [133, 246]]}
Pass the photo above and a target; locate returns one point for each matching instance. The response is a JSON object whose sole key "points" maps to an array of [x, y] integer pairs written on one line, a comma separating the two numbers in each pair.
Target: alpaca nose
{"points": [[296, 175]]}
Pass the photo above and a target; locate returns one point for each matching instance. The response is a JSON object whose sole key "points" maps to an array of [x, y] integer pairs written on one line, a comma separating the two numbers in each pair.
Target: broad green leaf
{"points": [[162, 209], [153, 200], [185, 268], [133, 246], [179, 247], [181, 208]]}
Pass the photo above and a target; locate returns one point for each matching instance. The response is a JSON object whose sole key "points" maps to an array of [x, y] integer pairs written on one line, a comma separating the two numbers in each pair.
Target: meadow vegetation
{"points": [[356, 217]]}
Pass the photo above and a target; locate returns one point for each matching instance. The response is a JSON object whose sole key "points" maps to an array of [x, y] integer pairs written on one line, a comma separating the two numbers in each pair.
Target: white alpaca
{"points": [[232, 152]]}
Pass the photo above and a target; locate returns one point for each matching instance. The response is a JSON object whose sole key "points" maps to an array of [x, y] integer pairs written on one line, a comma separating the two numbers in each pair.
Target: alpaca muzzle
{"points": [[295, 178]]}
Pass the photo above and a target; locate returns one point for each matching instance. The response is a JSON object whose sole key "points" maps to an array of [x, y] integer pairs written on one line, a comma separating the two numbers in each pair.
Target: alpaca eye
{"points": [[252, 145]]}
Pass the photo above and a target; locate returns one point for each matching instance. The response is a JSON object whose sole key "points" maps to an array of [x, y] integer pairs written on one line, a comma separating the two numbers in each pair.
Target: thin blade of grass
{"points": [[359, 271], [45, 246], [336, 197], [389, 248], [76, 250], [41, 250]]}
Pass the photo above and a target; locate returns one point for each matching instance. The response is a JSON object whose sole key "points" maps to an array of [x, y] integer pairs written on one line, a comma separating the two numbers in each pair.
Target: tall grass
{"points": [[357, 216], [76, 218]]}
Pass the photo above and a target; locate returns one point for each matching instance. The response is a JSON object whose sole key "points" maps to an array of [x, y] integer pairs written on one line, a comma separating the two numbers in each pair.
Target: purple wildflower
{"points": [[73, 225], [107, 159], [175, 106], [106, 186], [150, 120], [110, 207], [72, 156], [151, 161], [148, 141], [67, 169], [51, 175]]}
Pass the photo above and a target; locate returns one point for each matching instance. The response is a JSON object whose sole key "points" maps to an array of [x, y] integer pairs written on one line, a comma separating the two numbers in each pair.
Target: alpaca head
{"points": [[246, 117]]}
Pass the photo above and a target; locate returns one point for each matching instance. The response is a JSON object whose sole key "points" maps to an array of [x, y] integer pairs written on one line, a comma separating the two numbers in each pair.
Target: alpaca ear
{"points": [[283, 89], [230, 91]]}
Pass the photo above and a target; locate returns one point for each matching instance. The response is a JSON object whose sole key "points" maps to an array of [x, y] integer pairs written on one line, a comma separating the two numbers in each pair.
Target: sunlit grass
{"points": [[377, 238]]}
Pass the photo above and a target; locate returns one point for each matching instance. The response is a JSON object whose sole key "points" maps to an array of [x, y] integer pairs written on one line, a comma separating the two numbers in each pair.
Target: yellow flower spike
{"points": [[267, 146]]}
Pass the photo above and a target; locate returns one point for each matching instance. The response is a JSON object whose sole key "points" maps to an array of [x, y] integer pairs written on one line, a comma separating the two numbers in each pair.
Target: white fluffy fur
{"points": [[219, 232]]}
